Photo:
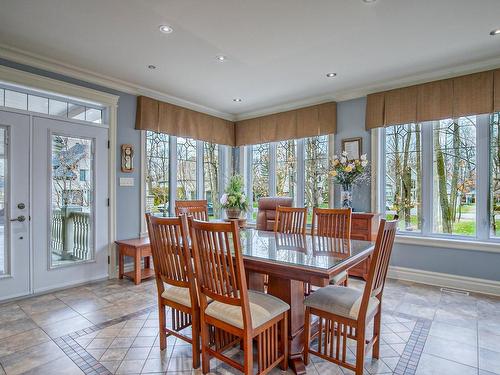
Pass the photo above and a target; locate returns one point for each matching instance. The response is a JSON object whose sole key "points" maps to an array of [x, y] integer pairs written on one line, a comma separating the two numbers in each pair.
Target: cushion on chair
{"points": [[177, 294], [340, 300], [338, 278], [263, 308]]}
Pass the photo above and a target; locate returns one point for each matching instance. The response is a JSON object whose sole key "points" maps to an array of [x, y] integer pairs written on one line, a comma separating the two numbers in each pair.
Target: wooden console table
{"points": [[364, 226], [136, 248]]}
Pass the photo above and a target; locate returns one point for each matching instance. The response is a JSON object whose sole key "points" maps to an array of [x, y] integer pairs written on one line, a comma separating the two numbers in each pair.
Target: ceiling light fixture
{"points": [[369, 1], [221, 58], [165, 29], [495, 32], [331, 75], [237, 100], [152, 67]]}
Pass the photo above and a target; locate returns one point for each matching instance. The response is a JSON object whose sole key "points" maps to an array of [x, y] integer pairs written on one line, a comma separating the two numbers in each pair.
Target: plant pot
{"points": [[233, 213], [346, 197]]}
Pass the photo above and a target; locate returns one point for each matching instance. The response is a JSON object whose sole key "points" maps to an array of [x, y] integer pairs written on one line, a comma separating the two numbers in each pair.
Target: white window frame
{"points": [[482, 241]]}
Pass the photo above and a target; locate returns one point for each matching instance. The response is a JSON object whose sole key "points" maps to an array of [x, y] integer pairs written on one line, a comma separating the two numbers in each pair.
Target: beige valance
{"points": [[470, 94], [310, 121], [171, 119]]}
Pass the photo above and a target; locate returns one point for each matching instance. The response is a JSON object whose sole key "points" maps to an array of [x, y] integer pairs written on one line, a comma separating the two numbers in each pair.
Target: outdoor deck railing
{"points": [[70, 235]]}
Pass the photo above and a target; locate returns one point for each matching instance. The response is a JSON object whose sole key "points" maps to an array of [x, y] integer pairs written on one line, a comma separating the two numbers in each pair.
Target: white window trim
{"points": [[482, 241]]}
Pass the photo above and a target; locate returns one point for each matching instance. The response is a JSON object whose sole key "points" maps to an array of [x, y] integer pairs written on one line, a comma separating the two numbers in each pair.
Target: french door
{"points": [[60, 237]]}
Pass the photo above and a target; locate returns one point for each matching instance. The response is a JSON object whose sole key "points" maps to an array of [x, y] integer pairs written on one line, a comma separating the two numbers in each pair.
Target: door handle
{"points": [[20, 218]]}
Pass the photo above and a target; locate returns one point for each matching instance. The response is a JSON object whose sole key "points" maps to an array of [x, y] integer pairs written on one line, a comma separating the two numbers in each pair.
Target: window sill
{"points": [[450, 243]]}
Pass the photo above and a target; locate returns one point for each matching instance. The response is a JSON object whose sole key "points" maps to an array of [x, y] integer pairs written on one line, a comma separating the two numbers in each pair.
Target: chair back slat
{"points": [[171, 255], [331, 222], [219, 264], [197, 208], [379, 263], [290, 220]]}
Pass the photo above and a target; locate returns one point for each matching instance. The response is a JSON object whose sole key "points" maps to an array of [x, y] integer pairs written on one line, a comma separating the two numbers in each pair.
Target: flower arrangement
{"points": [[345, 172], [234, 199]]}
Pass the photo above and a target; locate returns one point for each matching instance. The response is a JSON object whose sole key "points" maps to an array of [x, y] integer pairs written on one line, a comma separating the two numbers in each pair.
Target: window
{"points": [[83, 175], [4, 179], [403, 185], [211, 177], [260, 174], [442, 178], [157, 173], [186, 168], [495, 175], [316, 173], [286, 169]]}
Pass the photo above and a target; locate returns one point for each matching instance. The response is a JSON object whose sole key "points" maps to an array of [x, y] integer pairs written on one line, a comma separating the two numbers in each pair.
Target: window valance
{"points": [[470, 94], [171, 119]]}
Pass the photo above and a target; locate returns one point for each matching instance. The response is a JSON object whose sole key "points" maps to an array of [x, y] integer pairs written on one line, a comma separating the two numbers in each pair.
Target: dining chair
{"points": [[343, 313], [243, 313], [332, 222], [290, 220], [197, 208], [175, 281]]}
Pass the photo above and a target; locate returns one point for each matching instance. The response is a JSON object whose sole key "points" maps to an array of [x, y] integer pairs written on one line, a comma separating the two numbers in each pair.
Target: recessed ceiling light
{"points": [[152, 67], [237, 100], [369, 1], [221, 58], [495, 32], [166, 29], [331, 75]]}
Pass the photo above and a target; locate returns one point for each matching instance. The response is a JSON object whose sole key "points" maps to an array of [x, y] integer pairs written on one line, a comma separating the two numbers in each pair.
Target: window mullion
{"points": [[426, 178], [482, 176], [272, 169], [172, 176]]}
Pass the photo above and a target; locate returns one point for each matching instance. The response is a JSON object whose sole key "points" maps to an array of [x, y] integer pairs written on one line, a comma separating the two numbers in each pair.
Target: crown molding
{"points": [[41, 62]]}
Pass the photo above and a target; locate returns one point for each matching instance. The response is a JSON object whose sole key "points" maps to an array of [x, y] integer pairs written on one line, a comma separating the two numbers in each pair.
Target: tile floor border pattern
{"points": [[407, 364]]}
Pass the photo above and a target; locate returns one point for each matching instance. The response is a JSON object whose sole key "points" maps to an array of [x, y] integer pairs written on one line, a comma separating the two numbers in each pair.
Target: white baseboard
{"points": [[470, 284]]}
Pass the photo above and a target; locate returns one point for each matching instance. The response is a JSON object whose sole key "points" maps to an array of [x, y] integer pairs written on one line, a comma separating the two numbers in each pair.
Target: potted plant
{"points": [[346, 172], [234, 200]]}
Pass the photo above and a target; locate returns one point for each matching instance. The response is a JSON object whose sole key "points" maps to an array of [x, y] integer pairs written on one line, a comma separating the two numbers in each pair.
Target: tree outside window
{"points": [[260, 174], [316, 173], [286, 168], [186, 168], [157, 172]]}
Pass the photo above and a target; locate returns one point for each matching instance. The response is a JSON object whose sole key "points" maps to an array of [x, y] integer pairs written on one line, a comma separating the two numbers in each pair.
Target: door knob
{"points": [[20, 218]]}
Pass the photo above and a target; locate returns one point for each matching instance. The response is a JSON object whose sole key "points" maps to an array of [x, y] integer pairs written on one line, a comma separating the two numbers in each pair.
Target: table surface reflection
{"points": [[306, 251]]}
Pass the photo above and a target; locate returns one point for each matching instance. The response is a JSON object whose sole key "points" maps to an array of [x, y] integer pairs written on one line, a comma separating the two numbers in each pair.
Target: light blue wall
{"points": [[127, 198]]}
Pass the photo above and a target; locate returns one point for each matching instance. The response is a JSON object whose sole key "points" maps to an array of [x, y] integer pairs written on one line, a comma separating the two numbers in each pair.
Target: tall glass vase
{"points": [[346, 196]]}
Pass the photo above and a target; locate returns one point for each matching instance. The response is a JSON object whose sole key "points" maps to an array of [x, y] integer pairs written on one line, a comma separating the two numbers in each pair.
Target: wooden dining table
{"points": [[290, 261]]}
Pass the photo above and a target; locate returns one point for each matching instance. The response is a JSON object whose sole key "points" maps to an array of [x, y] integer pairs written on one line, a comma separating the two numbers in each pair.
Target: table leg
{"points": [[255, 281], [292, 292], [120, 264], [137, 268]]}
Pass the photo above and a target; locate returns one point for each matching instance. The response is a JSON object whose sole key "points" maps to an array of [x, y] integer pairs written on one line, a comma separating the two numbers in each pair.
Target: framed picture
{"points": [[127, 152], [353, 147]]}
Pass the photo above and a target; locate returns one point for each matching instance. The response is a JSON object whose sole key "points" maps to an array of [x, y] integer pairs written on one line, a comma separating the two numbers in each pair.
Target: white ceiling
{"points": [[278, 50]]}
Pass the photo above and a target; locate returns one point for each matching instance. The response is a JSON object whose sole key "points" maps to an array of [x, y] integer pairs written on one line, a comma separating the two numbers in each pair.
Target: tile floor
{"points": [[111, 328]]}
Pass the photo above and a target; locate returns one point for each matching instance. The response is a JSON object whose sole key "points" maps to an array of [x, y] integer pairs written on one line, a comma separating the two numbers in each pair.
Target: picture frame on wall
{"points": [[127, 158], [353, 147]]}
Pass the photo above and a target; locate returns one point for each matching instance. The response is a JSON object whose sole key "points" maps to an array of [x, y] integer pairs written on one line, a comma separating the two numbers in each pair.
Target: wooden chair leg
{"points": [[284, 342], [360, 351], [162, 325], [205, 342], [195, 330], [247, 355], [307, 335], [346, 281], [376, 333]]}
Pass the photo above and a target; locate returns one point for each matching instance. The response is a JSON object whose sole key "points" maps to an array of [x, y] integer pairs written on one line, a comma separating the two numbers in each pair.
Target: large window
{"points": [[260, 174], [442, 178], [316, 173], [286, 169], [186, 168], [157, 173], [211, 177]]}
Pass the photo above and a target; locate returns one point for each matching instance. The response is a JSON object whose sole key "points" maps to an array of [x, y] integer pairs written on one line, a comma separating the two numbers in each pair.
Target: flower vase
{"points": [[346, 196], [233, 213]]}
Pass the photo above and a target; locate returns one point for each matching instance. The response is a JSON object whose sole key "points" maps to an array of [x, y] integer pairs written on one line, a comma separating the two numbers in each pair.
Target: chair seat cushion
{"points": [[340, 300], [263, 308], [338, 278], [177, 294]]}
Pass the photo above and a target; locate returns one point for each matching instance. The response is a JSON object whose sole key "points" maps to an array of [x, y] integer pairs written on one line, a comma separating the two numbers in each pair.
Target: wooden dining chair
{"points": [[196, 208], [175, 281], [243, 313], [344, 313], [336, 223], [290, 220]]}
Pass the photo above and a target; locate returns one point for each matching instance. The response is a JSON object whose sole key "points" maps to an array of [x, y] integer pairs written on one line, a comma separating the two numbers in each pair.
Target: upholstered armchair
{"points": [[267, 211]]}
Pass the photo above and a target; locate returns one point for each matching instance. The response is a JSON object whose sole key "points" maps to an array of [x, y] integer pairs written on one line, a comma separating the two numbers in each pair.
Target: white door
{"points": [[70, 203], [14, 205]]}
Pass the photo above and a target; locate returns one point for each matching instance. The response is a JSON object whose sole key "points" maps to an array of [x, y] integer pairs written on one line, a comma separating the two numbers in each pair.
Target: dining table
{"points": [[291, 261]]}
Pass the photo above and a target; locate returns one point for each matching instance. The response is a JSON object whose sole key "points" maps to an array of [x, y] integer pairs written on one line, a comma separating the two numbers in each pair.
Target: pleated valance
{"points": [[470, 94], [310, 121], [171, 119]]}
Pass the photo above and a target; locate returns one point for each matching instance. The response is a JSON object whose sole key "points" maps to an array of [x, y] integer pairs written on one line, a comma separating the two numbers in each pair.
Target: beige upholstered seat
{"points": [[338, 278], [340, 300], [263, 308], [177, 294]]}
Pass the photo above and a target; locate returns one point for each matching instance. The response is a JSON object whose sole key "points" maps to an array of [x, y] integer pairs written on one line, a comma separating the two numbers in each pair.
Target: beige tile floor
{"points": [[464, 334]]}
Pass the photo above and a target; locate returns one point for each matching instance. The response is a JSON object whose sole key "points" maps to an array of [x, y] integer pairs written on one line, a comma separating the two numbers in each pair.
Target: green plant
{"points": [[234, 196]]}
